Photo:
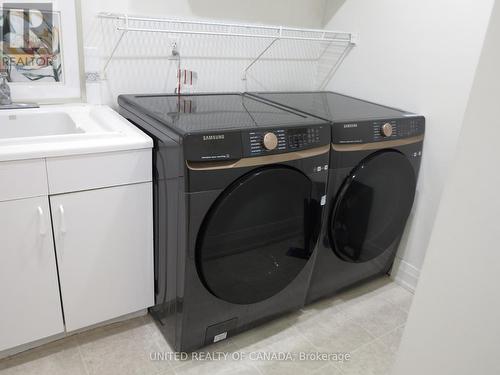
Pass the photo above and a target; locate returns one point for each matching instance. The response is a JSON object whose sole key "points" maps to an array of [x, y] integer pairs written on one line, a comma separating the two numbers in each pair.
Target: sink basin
{"points": [[36, 125], [64, 130]]}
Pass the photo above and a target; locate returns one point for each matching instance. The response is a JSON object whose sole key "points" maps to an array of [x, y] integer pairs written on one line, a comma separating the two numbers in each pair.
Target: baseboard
{"points": [[110, 321], [31, 345], [404, 274]]}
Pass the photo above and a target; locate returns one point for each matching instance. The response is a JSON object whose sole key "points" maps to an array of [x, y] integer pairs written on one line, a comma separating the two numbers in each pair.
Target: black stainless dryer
{"points": [[374, 164], [238, 189]]}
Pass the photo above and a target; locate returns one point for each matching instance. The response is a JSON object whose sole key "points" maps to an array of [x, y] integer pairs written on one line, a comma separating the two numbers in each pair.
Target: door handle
{"points": [[62, 225], [42, 228]]}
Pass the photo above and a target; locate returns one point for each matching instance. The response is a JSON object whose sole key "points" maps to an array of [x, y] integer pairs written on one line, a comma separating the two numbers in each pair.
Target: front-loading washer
{"points": [[374, 164], [238, 192]]}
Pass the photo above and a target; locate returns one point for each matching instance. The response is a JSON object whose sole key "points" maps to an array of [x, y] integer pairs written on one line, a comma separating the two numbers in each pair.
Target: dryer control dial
{"points": [[270, 141], [386, 129]]}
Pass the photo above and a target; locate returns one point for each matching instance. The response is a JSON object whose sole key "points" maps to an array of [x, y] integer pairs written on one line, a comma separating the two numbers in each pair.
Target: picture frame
{"points": [[60, 80]]}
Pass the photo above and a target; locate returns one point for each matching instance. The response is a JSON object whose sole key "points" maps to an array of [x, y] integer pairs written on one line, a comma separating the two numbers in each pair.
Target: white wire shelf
{"points": [[326, 48]]}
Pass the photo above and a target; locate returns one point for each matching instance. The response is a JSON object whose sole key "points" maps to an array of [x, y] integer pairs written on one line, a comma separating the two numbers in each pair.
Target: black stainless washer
{"points": [[374, 164], [238, 191]]}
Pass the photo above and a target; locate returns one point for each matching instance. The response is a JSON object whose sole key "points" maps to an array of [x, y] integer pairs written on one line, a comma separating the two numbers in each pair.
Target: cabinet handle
{"points": [[63, 219], [42, 229]]}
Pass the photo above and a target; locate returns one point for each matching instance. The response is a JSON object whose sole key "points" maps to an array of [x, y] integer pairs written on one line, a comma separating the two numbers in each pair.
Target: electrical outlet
{"points": [[174, 45]]}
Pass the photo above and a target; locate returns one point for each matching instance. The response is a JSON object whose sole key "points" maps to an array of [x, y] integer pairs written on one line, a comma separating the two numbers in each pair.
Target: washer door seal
{"points": [[372, 206], [258, 235]]}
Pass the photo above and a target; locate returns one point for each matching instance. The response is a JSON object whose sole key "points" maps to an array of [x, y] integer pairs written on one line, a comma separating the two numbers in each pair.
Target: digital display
{"points": [[298, 138]]}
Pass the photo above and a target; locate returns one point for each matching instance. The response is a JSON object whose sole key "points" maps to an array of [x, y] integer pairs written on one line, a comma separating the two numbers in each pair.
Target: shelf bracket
{"points": [[254, 61], [337, 64], [115, 48]]}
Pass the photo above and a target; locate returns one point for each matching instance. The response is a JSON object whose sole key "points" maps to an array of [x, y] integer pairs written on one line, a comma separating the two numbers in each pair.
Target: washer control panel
{"points": [[232, 145], [378, 130], [275, 141]]}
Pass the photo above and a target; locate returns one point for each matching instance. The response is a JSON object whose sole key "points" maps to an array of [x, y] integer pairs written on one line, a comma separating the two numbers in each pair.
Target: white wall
{"points": [[453, 326], [420, 56]]}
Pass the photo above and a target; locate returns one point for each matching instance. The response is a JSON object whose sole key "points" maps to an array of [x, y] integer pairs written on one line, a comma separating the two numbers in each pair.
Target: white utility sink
{"points": [[51, 131], [20, 125]]}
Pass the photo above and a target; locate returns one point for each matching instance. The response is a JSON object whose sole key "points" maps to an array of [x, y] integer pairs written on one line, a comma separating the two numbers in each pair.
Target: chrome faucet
{"points": [[6, 97]]}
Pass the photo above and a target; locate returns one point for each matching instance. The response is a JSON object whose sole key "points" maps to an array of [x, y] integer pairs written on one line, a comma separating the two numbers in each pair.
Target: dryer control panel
{"points": [[378, 130]]}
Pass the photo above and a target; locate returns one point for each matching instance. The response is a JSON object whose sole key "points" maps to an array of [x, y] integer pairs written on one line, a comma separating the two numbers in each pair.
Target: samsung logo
{"points": [[213, 137], [350, 126]]}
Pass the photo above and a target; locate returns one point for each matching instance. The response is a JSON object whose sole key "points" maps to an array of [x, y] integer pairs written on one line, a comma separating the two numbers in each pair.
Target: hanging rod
{"points": [[214, 33], [126, 18]]}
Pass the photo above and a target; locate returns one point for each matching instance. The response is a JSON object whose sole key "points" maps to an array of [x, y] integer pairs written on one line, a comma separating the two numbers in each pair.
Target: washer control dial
{"points": [[386, 129], [270, 141]]}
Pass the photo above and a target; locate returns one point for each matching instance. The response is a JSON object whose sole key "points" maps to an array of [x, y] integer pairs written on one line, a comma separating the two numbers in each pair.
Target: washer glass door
{"points": [[258, 235], [372, 206]]}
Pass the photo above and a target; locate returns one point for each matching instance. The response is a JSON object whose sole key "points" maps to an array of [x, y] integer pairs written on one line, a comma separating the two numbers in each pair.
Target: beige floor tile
{"points": [[327, 370], [342, 338], [397, 295], [313, 317], [393, 339], [366, 321], [371, 359], [264, 335], [288, 368], [156, 335], [58, 358], [222, 367], [293, 345], [377, 315], [222, 347], [122, 349], [334, 332]]}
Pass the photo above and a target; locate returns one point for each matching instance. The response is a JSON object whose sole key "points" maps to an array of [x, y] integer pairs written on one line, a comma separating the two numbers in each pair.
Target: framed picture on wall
{"points": [[39, 50]]}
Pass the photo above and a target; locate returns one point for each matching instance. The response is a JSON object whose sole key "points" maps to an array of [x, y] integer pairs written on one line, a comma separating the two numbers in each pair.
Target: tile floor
{"points": [[366, 322]]}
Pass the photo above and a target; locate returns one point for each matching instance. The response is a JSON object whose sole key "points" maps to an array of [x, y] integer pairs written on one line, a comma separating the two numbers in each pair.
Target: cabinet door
{"points": [[104, 246], [30, 307]]}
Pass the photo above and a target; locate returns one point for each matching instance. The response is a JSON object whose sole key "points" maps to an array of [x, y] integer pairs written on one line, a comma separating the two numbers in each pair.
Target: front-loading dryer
{"points": [[238, 192], [374, 164]]}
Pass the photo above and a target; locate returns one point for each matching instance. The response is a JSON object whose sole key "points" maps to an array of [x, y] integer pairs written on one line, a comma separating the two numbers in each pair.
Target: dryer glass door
{"points": [[372, 206], [258, 235]]}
